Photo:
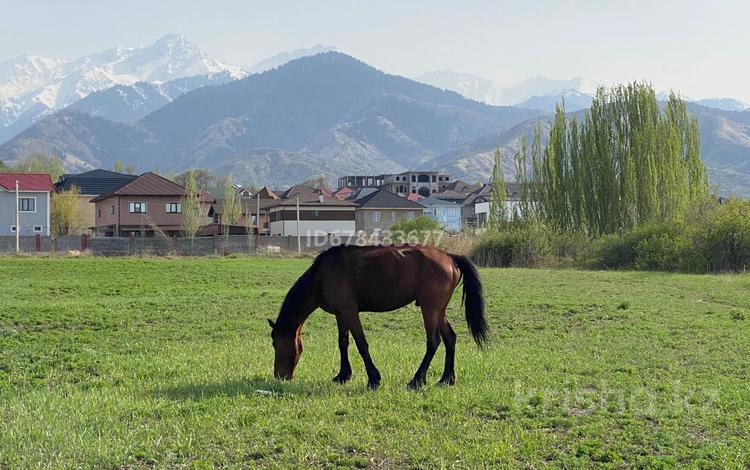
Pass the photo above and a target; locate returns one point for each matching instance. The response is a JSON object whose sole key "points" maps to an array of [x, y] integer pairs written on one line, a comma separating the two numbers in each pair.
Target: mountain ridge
{"points": [[32, 87], [331, 109]]}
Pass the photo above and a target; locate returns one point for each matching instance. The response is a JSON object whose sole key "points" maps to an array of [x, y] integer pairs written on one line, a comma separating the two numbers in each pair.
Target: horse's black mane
{"points": [[300, 293]]}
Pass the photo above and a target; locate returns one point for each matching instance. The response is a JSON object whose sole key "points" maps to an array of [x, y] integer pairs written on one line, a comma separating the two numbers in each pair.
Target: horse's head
{"points": [[288, 349]]}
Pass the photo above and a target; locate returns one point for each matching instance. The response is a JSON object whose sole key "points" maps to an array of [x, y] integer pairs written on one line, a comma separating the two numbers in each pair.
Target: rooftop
{"points": [[94, 182], [382, 199], [149, 184], [26, 182]]}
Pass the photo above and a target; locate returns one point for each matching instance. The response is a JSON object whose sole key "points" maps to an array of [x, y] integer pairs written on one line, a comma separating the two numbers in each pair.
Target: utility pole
{"points": [[299, 248], [18, 224]]}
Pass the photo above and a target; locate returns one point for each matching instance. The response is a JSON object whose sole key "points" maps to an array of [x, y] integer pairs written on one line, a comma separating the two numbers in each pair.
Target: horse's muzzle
{"points": [[283, 376]]}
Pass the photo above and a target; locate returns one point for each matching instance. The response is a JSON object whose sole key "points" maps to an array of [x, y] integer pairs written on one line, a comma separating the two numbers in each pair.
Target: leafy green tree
{"points": [[521, 159], [192, 209], [40, 164], [66, 216], [232, 211], [625, 164], [499, 196], [416, 230], [204, 179], [318, 182]]}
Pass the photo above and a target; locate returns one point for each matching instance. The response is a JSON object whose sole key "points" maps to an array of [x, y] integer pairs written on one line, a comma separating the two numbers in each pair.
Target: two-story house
{"points": [[33, 203], [378, 210], [91, 184], [147, 204], [319, 213]]}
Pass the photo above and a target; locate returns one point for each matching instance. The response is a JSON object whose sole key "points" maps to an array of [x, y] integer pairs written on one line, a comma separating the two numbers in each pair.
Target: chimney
{"points": [[320, 199]]}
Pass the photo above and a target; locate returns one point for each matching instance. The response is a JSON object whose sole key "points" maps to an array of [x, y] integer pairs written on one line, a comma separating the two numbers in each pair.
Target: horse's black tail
{"points": [[473, 299]]}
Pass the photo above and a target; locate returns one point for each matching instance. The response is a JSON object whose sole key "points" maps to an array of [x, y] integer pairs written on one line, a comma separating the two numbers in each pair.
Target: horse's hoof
{"points": [[373, 385], [340, 379], [447, 382], [415, 384]]}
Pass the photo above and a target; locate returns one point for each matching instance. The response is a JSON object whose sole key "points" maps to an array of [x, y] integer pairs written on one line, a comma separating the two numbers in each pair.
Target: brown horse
{"points": [[346, 280]]}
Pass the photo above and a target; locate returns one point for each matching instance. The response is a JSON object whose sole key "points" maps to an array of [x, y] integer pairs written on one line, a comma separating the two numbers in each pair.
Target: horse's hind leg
{"points": [[358, 333], [449, 339], [433, 341], [345, 371]]}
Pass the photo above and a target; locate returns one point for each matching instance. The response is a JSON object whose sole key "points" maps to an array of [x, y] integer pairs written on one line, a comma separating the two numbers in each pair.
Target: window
{"points": [[413, 190], [137, 207], [376, 216], [27, 204], [98, 212], [393, 216], [413, 178], [113, 208], [433, 178], [398, 178], [37, 228], [424, 178], [12, 228], [173, 208], [439, 179], [410, 215], [316, 213]]}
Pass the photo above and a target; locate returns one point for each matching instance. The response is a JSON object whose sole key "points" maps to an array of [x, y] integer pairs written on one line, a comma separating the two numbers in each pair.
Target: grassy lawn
{"points": [[128, 363]]}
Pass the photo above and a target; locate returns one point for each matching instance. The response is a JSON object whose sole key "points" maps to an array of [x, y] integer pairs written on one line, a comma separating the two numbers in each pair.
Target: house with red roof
{"points": [[144, 206], [33, 203]]}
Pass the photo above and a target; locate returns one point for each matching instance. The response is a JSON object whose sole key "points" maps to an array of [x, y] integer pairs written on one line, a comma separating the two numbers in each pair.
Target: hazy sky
{"points": [[699, 47]]}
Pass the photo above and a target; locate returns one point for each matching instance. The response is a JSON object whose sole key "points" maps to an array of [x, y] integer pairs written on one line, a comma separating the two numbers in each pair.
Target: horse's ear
{"points": [[273, 325]]}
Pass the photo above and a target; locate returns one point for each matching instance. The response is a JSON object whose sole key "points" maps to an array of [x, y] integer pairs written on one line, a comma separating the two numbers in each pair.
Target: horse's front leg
{"points": [[345, 371], [355, 326]]}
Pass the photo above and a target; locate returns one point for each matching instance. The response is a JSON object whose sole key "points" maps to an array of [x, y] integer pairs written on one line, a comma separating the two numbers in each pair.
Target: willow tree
{"points": [[499, 196], [626, 163]]}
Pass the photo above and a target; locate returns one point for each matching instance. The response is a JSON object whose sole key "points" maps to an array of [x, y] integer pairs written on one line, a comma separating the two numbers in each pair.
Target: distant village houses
{"points": [[120, 205]]}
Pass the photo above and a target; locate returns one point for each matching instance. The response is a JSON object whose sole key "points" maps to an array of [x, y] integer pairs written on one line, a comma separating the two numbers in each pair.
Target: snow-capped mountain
{"points": [[724, 104], [32, 87], [287, 56], [486, 91], [465, 84], [574, 101], [129, 103]]}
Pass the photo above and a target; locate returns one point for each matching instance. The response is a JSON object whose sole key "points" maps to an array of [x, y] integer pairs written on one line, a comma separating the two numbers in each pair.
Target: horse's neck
{"points": [[299, 316]]}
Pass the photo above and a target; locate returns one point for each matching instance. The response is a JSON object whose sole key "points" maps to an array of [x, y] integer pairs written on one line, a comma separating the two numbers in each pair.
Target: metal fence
{"points": [[162, 246]]}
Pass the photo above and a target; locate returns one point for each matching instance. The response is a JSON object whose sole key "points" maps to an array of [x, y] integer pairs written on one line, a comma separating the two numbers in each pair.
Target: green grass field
{"points": [[128, 363]]}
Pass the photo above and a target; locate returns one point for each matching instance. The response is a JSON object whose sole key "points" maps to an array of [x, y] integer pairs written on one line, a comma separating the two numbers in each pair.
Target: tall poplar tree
{"points": [[628, 162], [498, 202]]}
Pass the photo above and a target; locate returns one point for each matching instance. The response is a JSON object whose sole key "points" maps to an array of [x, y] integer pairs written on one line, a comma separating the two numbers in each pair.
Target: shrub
{"points": [[418, 230], [727, 237], [521, 246], [651, 247]]}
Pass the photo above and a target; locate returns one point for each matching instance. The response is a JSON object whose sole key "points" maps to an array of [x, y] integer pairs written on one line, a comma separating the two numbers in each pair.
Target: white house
{"points": [[318, 214]]}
